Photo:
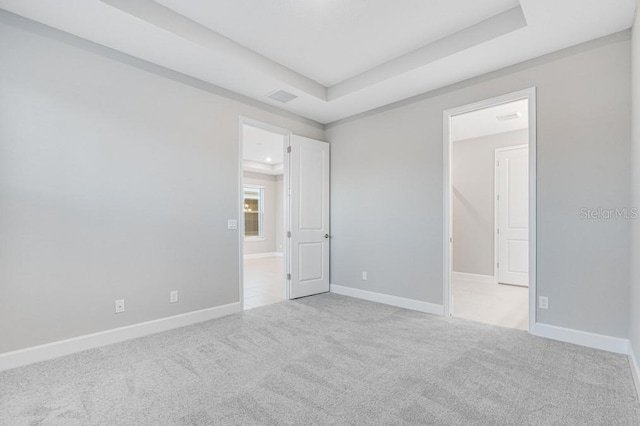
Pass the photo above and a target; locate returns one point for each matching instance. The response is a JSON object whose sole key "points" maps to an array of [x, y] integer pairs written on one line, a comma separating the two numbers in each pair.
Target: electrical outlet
{"points": [[173, 296], [119, 306], [232, 224], [364, 275], [544, 303]]}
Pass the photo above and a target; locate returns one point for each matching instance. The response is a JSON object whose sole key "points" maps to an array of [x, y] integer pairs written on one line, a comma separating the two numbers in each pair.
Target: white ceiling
{"points": [[484, 122], [262, 150], [340, 57], [332, 40]]}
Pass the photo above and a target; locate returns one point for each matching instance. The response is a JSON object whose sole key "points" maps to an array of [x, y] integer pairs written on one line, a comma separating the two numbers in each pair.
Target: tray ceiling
{"points": [[339, 57]]}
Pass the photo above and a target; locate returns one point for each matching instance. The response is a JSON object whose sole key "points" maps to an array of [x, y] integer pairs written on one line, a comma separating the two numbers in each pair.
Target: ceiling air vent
{"points": [[509, 116], [282, 96]]}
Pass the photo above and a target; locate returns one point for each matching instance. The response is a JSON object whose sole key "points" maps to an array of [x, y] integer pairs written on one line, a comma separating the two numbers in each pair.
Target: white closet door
{"points": [[309, 201], [513, 216]]}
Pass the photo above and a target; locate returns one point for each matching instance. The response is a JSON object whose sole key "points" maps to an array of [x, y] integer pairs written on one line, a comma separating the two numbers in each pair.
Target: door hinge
{"points": [[289, 149], [498, 231], [498, 197], [288, 277], [288, 234], [498, 265], [498, 163]]}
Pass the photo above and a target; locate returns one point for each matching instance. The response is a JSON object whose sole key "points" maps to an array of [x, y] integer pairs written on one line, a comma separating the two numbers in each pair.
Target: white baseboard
{"points": [[386, 299], [582, 338], [263, 255], [635, 369], [480, 279], [90, 341]]}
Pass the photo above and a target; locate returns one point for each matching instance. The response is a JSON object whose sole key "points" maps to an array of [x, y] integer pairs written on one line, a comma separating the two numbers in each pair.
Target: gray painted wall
{"points": [[387, 187], [472, 172], [273, 213], [634, 332], [114, 183]]}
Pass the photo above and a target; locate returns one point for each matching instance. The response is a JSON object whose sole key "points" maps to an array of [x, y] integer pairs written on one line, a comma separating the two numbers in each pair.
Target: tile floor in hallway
{"points": [[263, 281], [497, 304]]}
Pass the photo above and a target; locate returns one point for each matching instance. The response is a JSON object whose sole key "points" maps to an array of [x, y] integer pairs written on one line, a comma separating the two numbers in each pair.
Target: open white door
{"points": [[309, 221], [512, 173]]}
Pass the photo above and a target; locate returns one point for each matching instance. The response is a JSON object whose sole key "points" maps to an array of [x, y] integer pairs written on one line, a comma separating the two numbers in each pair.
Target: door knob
{"points": [[327, 236]]}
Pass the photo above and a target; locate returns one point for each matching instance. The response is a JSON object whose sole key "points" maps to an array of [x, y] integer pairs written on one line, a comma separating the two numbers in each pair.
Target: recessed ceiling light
{"points": [[509, 116], [268, 159]]}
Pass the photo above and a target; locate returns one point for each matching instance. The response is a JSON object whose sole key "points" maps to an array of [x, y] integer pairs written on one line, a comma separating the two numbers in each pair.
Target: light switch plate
{"points": [[232, 224]]}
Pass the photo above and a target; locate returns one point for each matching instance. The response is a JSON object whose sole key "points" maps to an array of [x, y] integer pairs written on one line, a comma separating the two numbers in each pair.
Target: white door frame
{"points": [[529, 94], [496, 207], [286, 133]]}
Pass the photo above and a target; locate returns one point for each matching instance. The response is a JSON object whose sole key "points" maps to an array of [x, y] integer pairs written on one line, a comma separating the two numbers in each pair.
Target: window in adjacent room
{"points": [[253, 211]]}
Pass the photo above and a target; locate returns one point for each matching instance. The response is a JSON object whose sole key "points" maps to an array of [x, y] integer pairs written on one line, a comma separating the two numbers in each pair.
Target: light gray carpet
{"points": [[327, 360]]}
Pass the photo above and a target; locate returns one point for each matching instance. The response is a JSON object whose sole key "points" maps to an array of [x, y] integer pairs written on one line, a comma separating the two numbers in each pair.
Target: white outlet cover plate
{"points": [[544, 303]]}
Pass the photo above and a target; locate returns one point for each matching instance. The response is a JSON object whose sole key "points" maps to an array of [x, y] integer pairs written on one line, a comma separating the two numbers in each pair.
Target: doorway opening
{"points": [[490, 211], [283, 214], [263, 207]]}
